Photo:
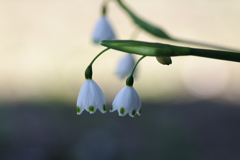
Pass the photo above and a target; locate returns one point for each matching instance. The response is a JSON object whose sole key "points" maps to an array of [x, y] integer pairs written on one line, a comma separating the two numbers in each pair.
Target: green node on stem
{"points": [[88, 72], [130, 81]]}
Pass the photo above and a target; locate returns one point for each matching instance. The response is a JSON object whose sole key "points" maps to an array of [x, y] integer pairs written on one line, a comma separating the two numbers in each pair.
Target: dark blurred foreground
{"points": [[53, 131]]}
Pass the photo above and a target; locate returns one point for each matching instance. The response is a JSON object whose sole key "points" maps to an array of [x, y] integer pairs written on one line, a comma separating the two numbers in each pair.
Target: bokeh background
{"points": [[190, 108]]}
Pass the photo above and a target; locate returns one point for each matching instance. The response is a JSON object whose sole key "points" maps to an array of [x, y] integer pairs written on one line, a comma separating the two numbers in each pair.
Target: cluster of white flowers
{"points": [[91, 98]]}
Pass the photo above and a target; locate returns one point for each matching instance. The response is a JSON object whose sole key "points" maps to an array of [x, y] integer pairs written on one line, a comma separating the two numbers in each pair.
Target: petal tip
{"points": [[139, 112], [132, 113], [121, 112], [91, 109], [78, 110], [104, 107], [111, 109]]}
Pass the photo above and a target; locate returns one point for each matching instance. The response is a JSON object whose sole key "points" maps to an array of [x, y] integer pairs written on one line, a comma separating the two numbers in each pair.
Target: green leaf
{"points": [[145, 48], [156, 31], [159, 49]]}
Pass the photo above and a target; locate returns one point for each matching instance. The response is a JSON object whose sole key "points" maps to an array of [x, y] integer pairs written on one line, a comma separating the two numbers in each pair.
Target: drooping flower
{"points": [[127, 101], [90, 98], [125, 65], [102, 30]]}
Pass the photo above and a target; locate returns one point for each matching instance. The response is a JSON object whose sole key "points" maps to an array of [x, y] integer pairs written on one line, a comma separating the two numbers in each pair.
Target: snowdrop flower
{"points": [[125, 65], [127, 101], [102, 30], [90, 98]]}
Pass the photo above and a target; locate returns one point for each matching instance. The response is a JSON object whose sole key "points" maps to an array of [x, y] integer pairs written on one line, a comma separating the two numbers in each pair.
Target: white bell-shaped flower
{"points": [[127, 101], [125, 65], [102, 30], [90, 98]]}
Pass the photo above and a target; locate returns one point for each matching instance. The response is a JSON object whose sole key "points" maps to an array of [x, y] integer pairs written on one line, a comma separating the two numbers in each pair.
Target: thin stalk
{"points": [[136, 65], [98, 56], [88, 71], [104, 6], [130, 79]]}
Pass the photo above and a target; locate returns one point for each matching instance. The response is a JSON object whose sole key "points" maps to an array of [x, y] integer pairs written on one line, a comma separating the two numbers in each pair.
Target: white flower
{"points": [[102, 30], [127, 101], [90, 98], [125, 65]]}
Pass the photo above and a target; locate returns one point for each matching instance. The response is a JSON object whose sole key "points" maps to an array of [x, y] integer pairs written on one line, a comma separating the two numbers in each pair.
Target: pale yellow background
{"points": [[45, 46]]}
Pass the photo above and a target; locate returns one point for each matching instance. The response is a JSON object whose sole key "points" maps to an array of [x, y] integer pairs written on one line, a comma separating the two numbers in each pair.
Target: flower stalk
{"points": [[130, 79], [88, 71], [98, 55]]}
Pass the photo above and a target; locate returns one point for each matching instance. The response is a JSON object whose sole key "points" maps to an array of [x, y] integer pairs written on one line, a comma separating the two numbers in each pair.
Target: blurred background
{"points": [[190, 108]]}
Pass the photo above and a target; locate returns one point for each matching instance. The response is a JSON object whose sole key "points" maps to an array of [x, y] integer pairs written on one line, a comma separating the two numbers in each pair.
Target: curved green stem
{"points": [[98, 55], [136, 65], [130, 79], [88, 71]]}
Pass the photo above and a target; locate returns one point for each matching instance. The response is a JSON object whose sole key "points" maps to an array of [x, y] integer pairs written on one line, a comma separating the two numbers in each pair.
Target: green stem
{"points": [[130, 79], [136, 65], [104, 6], [88, 71], [98, 55]]}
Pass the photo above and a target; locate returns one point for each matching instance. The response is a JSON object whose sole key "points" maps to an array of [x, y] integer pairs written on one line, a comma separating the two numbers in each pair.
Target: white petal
{"points": [[98, 97], [102, 30], [125, 65], [139, 112], [82, 96], [121, 101], [90, 97], [136, 105]]}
